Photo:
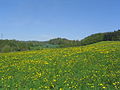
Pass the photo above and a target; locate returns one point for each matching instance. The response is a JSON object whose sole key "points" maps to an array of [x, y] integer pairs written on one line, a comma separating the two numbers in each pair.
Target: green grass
{"points": [[91, 67]]}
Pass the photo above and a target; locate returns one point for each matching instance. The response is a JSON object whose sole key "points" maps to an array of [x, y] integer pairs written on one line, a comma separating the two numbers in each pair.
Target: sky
{"points": [[42, 20]]}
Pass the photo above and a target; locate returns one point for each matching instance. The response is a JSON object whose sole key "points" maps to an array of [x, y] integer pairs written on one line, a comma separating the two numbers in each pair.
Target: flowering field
{"points": [[92, 67]]}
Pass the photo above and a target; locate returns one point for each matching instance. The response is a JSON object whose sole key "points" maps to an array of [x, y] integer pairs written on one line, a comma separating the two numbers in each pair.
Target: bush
{"points": [[6, 48]]}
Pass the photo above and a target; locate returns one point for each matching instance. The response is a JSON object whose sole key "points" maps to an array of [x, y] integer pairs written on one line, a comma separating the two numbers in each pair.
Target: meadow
{"points": [[91, 67]]}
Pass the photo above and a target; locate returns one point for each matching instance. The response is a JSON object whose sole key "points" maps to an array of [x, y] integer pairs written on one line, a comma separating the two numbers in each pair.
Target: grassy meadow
{"points": [[91, 67]]}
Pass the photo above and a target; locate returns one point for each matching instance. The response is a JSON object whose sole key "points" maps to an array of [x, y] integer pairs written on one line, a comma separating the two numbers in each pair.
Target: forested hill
{"points": [[107, 36], [15, 45]]}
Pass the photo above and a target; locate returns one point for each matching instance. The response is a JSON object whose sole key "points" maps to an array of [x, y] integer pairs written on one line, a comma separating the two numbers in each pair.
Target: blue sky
{"points": [[46, 19]]}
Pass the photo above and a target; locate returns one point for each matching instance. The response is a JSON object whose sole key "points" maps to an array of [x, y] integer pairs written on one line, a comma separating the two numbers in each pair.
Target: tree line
{"points": [[15, 45], [107, 36]]}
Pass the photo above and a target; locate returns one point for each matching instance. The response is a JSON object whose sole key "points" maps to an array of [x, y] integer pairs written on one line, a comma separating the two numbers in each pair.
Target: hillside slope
{"points": [[91, 67], [107, 36]]}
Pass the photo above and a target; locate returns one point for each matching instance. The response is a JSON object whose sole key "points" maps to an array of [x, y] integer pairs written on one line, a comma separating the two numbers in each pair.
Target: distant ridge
{"points": [[15, 45], [107, 36]]}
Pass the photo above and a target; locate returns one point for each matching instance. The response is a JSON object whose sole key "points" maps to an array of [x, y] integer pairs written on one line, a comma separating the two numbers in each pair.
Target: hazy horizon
{"points": [[42, 20]]}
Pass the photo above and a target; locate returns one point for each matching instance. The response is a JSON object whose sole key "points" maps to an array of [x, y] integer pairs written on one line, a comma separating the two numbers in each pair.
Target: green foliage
{"points": [[6, 48], [112, 36], [58, 41], [108, 36], [62, 42], [93, 39], [14, 45]]}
